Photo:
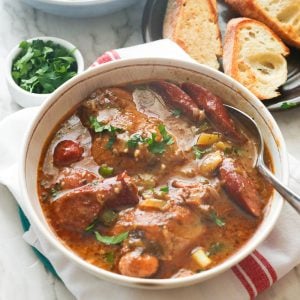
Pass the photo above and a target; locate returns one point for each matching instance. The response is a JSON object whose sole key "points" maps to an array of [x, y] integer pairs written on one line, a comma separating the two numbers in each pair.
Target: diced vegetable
{"points": [[106, 171], [153, 203], [224, 146], [200, 257], [207, 139], [210, 163], [108, 217], [111, 240]]}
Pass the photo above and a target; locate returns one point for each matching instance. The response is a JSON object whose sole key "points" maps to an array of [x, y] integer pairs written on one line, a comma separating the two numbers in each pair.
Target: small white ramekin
{"points": [[25, 98]]}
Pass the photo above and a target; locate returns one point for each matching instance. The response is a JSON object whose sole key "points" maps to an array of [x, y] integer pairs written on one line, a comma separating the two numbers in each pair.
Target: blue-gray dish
{"points": [[80, 8], [290, 92]]}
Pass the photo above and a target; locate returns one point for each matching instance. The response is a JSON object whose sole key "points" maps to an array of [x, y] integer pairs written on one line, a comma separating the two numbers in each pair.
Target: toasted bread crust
{"points": [[252, 9], [174, 22], [232, 49]]}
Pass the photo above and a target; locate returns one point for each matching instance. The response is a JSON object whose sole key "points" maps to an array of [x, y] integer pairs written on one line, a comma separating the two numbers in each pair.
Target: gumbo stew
{"points": [[152, 180]]}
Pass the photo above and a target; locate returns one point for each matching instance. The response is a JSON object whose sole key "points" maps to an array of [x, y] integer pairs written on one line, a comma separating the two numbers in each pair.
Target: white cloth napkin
{"points": [[276, 256]]}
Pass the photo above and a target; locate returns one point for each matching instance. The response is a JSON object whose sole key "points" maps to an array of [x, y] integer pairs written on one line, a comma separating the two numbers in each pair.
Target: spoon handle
{"points": [[284, 191]]}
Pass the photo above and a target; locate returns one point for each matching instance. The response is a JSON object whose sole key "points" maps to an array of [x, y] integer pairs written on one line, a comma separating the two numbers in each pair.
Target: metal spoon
{"points": [[249, 123]]}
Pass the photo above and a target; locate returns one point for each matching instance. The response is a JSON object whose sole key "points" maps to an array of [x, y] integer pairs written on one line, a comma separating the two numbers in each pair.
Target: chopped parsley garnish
{"points": [[111, 240], [110, 142], [288, 105], [199, 153], [134, 141], [215, 248], [91, 226], [233, 150], [164, 189], [106, 171], [54, 191], [42, 66], [214, 217], [108, 217], [99, 127], [109, 257], [159, 147], [176, 112]]}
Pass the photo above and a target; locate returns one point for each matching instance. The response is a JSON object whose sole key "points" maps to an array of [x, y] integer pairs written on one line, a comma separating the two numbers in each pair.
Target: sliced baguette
{"points": [[282, 16], [255, 56], [193, 25]]}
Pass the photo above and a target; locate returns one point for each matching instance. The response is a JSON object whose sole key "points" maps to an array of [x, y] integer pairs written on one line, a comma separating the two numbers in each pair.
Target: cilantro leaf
{"points": [[109, 257], [99, 127], [111, 240], [215, 248]]}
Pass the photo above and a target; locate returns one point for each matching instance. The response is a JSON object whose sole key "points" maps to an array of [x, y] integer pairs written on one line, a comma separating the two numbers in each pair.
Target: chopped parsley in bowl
{"points": [[42, 66], [37, 67]]}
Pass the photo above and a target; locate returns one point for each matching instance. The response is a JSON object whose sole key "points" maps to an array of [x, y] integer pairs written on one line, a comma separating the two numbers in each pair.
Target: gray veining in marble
{"points": [[22, 276]]}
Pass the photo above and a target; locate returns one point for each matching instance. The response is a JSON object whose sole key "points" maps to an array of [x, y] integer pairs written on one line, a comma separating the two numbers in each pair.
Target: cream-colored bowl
{"points": [[128, 71]]}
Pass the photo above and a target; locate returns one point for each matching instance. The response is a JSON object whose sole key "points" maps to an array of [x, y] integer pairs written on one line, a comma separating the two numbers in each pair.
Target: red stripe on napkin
{"points": [[244, 282], [268, 266]]}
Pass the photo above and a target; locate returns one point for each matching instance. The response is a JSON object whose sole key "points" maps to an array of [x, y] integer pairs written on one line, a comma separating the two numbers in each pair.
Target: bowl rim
{"points": [[80, 2], [139, 282], [16, 50]]}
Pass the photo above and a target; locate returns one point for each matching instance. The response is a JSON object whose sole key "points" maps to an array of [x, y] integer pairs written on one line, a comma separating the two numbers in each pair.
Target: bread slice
{"points": [[282, 16], [193, 25], [255, 56]]}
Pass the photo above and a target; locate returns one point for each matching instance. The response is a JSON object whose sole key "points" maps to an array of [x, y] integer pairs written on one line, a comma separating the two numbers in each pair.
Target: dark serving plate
{"points": [[153, 17]]}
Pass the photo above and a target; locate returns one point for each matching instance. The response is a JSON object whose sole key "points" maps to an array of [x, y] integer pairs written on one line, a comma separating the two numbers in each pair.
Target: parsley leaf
{"points": [[111, 240], [288, 105], [176, 112], [159, 147], [99, 127], [109, 257], [214, 217], [199, 152], [135, 140], [42, 66], [215, 248], [164, 189]]}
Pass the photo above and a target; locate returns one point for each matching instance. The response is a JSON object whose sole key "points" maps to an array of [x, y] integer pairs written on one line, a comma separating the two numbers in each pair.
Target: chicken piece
{"points": [[167, 234], [70, 178], [113, 149], [77, 209]]}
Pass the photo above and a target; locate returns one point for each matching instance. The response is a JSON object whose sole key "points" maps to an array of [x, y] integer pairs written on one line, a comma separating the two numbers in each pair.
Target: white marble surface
{"points": [[22, 276]]}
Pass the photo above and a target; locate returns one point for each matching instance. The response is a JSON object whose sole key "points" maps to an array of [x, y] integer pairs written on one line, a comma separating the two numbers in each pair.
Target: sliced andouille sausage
{"points": [[67, 152], [214, 110], [240, 187], [176, 97], [75, 210], [136, 264]]}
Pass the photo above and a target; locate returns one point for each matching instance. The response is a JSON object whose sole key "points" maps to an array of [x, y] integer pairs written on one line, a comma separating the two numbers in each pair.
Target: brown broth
{"points": [[150, 174]]}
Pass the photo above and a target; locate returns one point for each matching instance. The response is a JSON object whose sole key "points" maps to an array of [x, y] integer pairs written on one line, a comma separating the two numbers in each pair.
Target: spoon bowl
{"points": [[251, 125]]}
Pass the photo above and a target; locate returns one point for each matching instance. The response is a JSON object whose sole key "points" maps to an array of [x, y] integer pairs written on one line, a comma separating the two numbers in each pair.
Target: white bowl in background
{"points": [[23, 97], [127, 71], [80, 8]]}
